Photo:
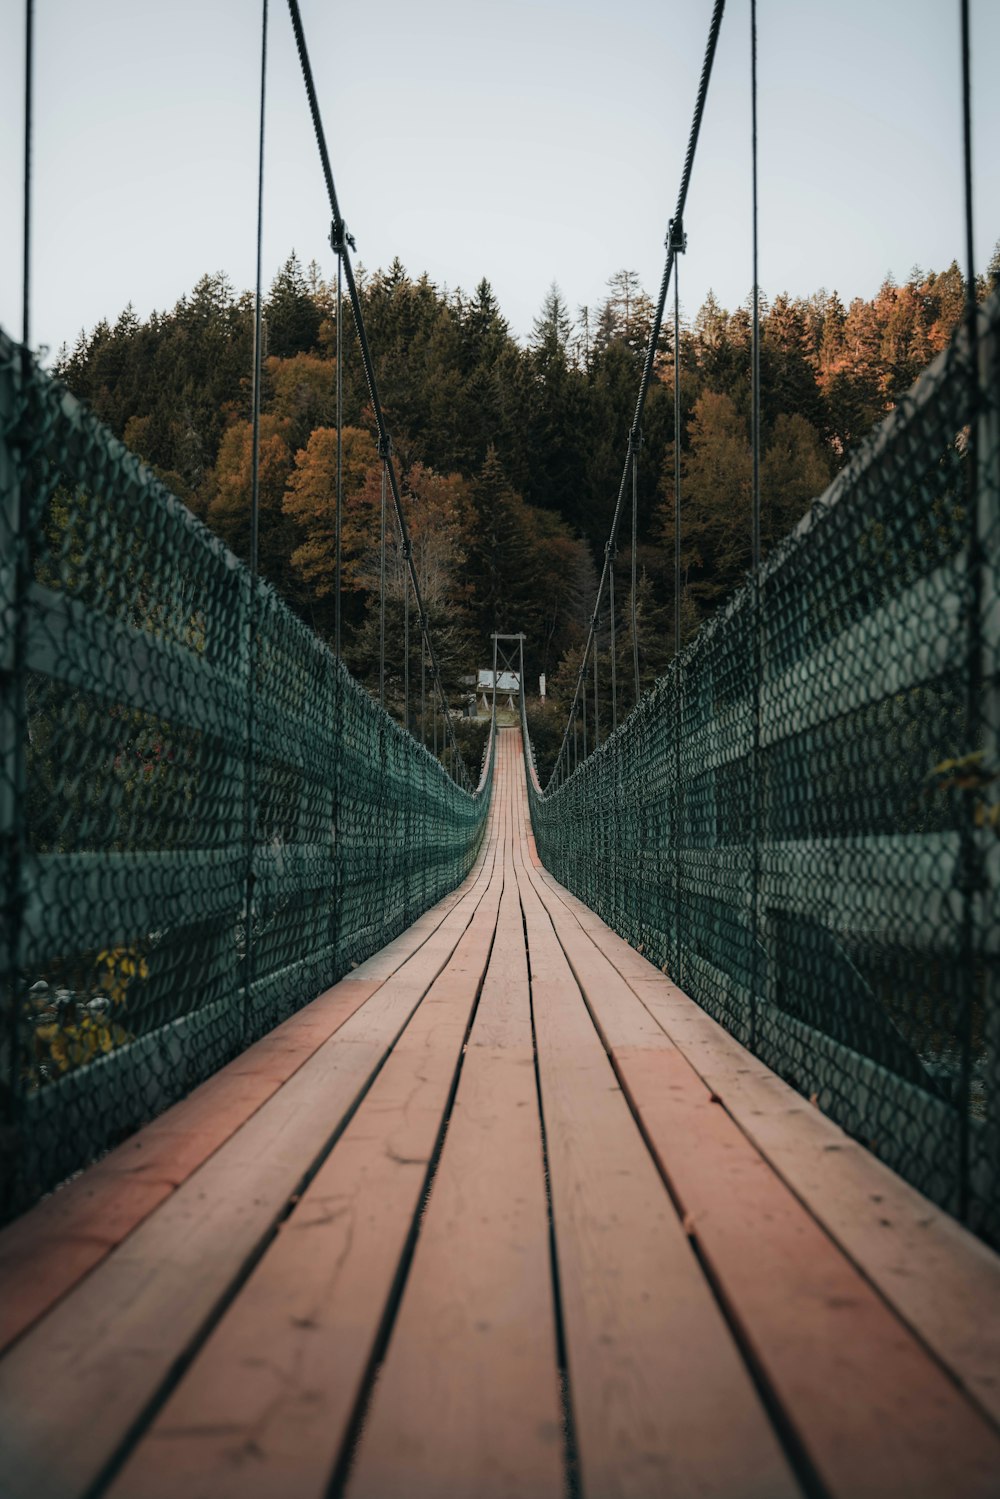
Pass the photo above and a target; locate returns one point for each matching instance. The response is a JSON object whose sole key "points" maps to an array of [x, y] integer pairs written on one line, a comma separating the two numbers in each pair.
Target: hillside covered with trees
{"points": [[510, 456]]}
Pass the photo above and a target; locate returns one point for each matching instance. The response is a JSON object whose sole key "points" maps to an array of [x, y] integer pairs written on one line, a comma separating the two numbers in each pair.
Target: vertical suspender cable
{"points": [[29, 69], [674, 243], [381, 596], [339, 512], [678, 679], [249, 772], [406, 651], [637, 439], [758, 664], [972, 875], [583, 700], [15, 729], [614, 669], [597, 705]]}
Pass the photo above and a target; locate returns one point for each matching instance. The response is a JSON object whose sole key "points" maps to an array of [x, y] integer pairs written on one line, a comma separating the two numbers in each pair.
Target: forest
{"points": [[509, 454]]}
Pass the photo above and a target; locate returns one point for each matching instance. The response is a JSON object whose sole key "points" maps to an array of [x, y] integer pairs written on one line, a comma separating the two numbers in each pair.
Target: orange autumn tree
{"points": [[310, 501], [231, 488]]}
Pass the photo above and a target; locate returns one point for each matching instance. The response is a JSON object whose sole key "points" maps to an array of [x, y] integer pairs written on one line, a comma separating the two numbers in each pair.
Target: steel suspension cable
{"points": [[339, 513], [406, 647], [611, 611], [29, 71], [342, 243], [678, 670], [635, 536], [674, 240], [973, 877], [249, 782], [756, 807], [381, 597]]}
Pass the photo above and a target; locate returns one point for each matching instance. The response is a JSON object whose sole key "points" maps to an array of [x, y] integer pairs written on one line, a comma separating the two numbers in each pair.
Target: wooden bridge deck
{"points": [[502, 1214]]}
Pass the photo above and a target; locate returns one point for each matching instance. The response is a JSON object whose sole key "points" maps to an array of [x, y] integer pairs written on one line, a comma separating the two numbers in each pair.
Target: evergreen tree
{"points": [[293, 317]]}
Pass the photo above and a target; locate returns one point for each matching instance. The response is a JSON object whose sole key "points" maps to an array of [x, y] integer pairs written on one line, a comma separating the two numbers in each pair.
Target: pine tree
{"points": [[293, 318]]}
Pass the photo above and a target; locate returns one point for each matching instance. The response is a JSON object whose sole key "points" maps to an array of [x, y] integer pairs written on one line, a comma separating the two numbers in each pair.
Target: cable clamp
{"points": [[385, 446], [634, 440], [407, 550], [610, 551], [676, 239], [340, 238]]}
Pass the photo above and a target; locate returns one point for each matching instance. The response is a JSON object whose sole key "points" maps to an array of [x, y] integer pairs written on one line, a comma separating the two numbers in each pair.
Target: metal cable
{"points": [[249, 832], [755, 547], [29, 69], [339, 513], [614, 674], [406, 653], [381, 599], [970, 874], [674, 242], [678, 669], [341, 243], [635, 533]]}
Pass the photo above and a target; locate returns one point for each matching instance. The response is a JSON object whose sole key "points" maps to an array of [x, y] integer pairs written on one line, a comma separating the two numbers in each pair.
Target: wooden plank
{"points": [[467, 1401], [875, 1413], [49, 1250], [46, 1252], [661, 1399], [941, 1280], [104, 1351], [267, 1403]]}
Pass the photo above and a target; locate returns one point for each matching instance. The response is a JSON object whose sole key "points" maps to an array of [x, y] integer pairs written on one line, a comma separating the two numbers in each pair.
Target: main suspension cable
{"points": [[342, 243], [674, 243]]}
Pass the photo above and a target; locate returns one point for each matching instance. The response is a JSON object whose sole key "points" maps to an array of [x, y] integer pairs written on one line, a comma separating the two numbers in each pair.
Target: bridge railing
{"points": [[800, 823], [205, 820]]}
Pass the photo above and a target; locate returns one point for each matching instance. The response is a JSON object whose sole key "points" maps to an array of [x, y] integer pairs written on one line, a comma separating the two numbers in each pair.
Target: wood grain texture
{"points": [[662, 1401], [104, 1351], [940, 1279], [265, 1407], [48, 1251], [467, 1400]]}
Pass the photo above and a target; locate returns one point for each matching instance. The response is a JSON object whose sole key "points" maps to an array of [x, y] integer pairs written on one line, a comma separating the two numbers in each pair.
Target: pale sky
{"points": [[525, 142]]}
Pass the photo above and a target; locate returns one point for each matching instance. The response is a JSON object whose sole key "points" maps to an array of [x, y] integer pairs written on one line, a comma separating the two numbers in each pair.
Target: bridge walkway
{"points": [[502, 1214]]}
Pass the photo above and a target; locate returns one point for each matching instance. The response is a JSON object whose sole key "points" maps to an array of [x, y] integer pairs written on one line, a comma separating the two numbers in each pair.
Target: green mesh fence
{"points": [[158, 705], [801, 822]]}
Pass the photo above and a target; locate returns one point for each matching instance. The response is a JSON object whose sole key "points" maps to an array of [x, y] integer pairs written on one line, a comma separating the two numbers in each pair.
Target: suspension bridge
{"points": [[377, 1128]]}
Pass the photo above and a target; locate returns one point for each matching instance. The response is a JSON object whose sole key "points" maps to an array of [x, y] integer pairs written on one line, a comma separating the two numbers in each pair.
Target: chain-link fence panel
{"points": [[801, 822], [205, 820]]}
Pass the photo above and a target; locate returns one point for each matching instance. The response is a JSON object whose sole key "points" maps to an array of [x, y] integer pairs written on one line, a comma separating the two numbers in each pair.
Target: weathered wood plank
{"points": [[467, 1401], [49, 1250], [942, 1281], [101, 1355], [266, 1405], [45, 1253], [661, 1399]]}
